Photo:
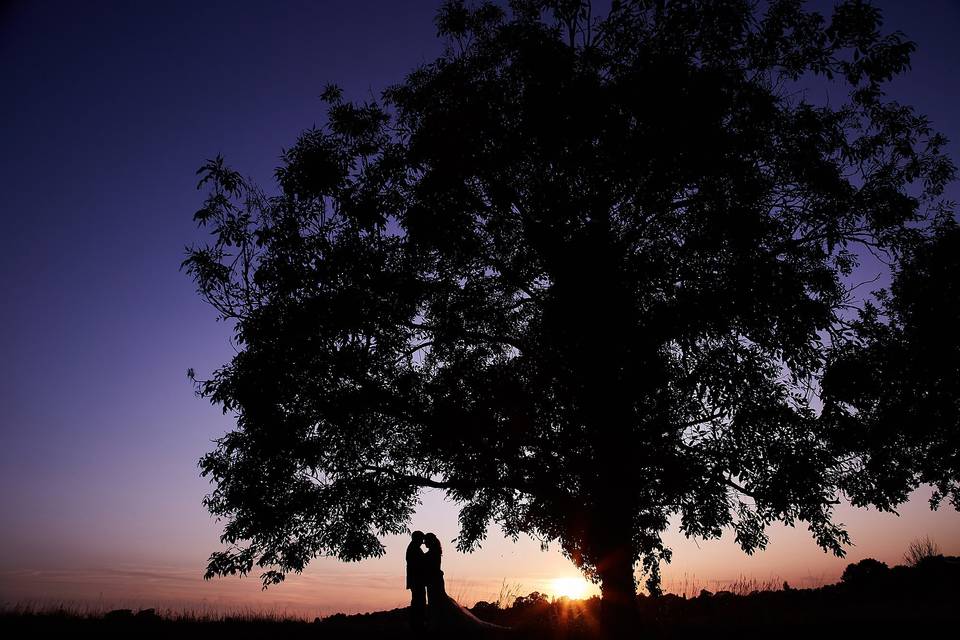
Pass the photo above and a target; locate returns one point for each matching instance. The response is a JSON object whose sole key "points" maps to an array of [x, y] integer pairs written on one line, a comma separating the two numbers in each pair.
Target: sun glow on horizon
{"points": [[573, 588]]}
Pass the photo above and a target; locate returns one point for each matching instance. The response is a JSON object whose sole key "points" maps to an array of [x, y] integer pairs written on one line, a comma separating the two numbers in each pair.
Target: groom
{"points": [[416, 581]]}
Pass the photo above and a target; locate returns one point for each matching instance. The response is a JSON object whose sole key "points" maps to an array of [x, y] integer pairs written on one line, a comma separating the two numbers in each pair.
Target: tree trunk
{"points": [[612, 539], [618, 604]]}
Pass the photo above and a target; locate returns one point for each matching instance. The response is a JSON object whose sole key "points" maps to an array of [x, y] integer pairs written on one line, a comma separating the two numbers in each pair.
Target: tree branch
{"points": [[415, 480], [478, 337], [421, 481]]}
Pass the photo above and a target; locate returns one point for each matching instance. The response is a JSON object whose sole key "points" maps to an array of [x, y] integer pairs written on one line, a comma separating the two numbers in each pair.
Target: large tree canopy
{"points": [[893, 396], [584, 274]]}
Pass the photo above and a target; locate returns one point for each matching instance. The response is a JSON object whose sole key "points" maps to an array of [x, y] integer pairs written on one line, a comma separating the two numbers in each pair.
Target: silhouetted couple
{"points": [[425, 581], [424, 577]]}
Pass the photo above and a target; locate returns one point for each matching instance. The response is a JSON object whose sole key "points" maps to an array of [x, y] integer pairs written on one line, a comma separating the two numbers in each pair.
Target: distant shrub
{"points": [[920, 549], [485, 610], [531, 600], [118, 614], [867, 572]]}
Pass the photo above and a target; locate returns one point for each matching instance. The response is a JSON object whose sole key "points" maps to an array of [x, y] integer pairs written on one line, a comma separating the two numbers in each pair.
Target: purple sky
{"points": [[108, 109]]}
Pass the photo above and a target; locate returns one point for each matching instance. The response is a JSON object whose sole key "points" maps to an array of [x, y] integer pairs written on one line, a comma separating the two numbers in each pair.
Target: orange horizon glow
{"points": [[500, 571]]}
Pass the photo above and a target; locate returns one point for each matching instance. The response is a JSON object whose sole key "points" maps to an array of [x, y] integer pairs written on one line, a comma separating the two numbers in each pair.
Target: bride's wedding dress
{"points": [[445, 612]]}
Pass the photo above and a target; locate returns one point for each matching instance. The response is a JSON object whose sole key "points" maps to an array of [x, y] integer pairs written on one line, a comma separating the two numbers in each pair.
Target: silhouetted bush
{"points": [[485, 610], [864, 573], [919, 550]]}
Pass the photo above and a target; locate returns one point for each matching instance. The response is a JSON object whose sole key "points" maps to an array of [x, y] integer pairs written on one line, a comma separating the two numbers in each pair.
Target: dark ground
{"points": [[871, 601]]}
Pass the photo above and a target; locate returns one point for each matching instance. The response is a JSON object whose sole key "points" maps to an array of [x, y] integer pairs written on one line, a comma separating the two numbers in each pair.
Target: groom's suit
{"points": [[416, 582]]}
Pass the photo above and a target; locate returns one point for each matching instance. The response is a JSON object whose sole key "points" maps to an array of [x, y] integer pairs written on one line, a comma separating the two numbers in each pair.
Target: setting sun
{"points": [[573, 588]]}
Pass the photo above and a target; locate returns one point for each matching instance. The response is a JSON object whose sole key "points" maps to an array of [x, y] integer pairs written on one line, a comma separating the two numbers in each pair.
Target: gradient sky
{"points": [[108, 109]]}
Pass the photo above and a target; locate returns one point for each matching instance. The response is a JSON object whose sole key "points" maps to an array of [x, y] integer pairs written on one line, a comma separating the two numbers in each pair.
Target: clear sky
{"points": [[108, 108]]}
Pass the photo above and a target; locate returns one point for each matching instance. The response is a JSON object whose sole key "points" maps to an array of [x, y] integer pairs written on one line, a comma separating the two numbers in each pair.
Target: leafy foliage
{"points": [[894, 395], [583, 274]]}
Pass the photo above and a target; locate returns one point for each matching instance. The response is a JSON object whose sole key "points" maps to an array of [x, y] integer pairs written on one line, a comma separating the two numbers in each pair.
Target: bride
{"points": [[444, 611]]}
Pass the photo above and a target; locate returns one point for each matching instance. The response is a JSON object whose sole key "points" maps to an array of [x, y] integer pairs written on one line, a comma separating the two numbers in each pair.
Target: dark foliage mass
{"points": [[894, 396], [587, 274]]}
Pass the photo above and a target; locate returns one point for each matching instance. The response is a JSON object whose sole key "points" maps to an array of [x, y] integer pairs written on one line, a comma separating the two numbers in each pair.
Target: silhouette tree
{"points": [[893, 396], [584, 275]]}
